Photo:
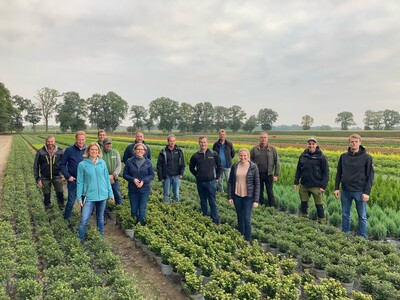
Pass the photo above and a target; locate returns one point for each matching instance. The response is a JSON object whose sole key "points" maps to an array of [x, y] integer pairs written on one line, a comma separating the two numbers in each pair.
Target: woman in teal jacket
{"points": [[93, 188]]}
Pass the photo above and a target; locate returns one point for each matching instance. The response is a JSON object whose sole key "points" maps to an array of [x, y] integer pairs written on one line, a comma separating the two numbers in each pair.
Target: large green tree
{"points": [[33, 115], [236, 116], [19, 106], [373, 120], [138, 117], [250, 123], [306, 122], [166, 111], [47, 102], [6, 108], [346, 119], [186, 118], [267, 117], [390, 119], [221, 117], [72, 112], [107, 111]]}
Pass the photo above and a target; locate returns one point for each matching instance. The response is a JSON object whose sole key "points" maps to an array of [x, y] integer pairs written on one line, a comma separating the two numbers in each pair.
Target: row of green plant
{"points": [[48, 260]]}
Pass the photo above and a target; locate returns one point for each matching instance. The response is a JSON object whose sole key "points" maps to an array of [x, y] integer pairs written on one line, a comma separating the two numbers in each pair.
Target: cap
{"points": [[312, 139], [107, 141]]}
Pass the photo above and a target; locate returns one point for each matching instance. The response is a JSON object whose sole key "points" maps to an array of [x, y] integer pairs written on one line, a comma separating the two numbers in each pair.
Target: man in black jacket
{"points": [[170, 168], [206, 166], [355, 172], [46, 170], [312, 176], [226, 152]]}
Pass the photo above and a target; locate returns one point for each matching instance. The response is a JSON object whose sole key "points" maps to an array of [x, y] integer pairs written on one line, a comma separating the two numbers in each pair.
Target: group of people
{"points": [[92, 171]]}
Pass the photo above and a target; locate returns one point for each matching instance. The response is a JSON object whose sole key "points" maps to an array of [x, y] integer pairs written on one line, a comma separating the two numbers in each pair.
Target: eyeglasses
{"points": [[141, 149]]}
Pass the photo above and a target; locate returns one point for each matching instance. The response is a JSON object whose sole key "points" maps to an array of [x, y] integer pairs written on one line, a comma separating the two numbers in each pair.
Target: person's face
{"points": [[50, 143], [107, 146], [312, 146], [243, 156], [203, 144], [93, 152], [102, 136], [222, 136], [171, 142], [139, 137], [264, 139], [80, 140], [354, 144], [139, 151]]}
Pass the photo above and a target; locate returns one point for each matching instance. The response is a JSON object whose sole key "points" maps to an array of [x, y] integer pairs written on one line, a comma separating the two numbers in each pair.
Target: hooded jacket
{"points": [[355, 171], [312, 169], [47, 166]]}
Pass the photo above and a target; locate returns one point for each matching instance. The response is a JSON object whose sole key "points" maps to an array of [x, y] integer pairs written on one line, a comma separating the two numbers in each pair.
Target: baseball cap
{"points": [[312, 139], [107, 141]]}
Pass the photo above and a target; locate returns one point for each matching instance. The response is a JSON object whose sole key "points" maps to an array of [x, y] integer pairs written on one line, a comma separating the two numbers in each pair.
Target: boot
{"points": [[304, 209], [46, 201], [321, 213], [60, 200]]}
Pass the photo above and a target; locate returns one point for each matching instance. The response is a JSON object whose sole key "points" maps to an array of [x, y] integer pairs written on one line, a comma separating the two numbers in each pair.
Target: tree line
{"points": [[108, 111]]}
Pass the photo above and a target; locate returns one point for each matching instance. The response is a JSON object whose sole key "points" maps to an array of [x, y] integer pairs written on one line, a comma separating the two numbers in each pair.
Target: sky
{"points": [[297, 57]]}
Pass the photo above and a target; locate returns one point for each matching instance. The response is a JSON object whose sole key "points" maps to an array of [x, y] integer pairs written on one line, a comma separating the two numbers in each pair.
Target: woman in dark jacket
{"points": [[243, 190], [139, 173]]}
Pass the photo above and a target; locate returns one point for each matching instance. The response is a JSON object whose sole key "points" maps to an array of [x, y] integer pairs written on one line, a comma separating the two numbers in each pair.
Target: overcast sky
{"points": [[296, 57]]}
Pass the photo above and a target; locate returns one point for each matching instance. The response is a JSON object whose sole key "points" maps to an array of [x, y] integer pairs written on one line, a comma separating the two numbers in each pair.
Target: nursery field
{"points": [[289, 257]]}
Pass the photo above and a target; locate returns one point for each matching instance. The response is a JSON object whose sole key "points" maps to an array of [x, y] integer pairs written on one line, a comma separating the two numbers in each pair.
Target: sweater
{"points": [[70, 160], [93, 181]]}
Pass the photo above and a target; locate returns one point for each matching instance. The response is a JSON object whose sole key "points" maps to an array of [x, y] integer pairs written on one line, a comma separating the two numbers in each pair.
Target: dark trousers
{"points": [[207, 192], [244, 207], [268, 181]]}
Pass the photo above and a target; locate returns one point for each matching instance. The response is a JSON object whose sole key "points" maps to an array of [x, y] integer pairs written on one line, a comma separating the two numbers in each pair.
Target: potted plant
{"points": [[307, 259], [344, 273], [127, 224], [193, 286], [247, 290], [320, 263]]}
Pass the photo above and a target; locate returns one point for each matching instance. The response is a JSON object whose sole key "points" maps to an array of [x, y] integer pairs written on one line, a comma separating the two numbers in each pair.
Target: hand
{"points": [[180, 176], [112, 179], [230, 201], [255, 204], [275, 178], [321, 190], [365, 197], [71, 178], [162, 180], [111, 200], [136, 181], [140, 184], [296, 187], [336, 194], [39, 184], [80, 203]]}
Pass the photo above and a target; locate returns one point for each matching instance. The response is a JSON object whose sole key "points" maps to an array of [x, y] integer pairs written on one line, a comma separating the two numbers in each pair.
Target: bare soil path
{"points": [[5, 147]]}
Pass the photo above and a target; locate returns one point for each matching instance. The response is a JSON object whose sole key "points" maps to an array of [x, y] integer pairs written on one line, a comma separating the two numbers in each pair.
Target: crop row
{"points": [[41, 257]]}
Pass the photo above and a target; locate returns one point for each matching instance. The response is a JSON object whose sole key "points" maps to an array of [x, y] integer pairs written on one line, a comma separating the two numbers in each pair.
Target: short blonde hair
{"points": [[222, 131], [80, 132], [355, 136], [92, 144]]}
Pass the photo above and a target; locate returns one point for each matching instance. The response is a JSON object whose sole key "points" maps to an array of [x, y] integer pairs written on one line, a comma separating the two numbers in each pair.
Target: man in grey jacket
{"points": [[267, 160]]}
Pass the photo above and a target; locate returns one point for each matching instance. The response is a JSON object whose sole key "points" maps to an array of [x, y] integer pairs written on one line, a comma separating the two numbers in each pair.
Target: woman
{"points": [[139, 173], [243, 191], [93, 188]]}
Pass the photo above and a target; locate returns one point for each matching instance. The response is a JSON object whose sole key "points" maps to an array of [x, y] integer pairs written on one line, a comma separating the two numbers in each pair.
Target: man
{"points": [[267, 160], [73, 155], [46, 170], [226, 152], [206, 166], [312, 176], [113, 162], [101, 135], [129, 150], [355, 172], [170, 168]]}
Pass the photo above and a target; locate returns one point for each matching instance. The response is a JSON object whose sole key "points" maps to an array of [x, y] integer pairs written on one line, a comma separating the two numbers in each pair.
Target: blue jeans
{"points": [[220, 185], [244, 207], [86, 213], [207, 192], [175, 182], [117, 195], [347, 200], [71, 199], [138, 203]]}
